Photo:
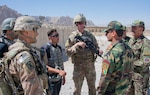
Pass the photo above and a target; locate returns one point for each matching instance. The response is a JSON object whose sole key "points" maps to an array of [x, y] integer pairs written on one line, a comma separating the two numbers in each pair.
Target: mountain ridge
{"points": [[6, 12]]}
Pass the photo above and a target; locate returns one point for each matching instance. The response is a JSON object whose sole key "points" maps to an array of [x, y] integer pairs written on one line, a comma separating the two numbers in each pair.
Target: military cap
{"points": [[114, 25], [138, 23]]}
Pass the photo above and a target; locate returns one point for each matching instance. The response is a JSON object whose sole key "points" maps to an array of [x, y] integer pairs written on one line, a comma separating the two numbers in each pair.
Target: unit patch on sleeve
{"points": [[105, 66]]}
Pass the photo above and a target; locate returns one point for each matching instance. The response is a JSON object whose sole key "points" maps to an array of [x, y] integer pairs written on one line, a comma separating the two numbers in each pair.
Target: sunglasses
{"points": [[55, 35], [80, 23], [108, 32]]}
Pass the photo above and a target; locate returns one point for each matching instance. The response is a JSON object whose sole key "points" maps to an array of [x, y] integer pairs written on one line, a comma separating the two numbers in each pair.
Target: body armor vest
{"points": [[54, 56]]}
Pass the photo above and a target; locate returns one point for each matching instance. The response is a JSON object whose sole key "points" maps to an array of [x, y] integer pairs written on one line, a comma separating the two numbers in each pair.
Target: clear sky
{"points": [[101, 12]]}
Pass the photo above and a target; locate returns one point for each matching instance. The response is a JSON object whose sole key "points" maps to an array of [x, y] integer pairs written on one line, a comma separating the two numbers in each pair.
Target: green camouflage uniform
{"points": [[116, 66], [115, 72], [126, 39], [83, 60], [141, 49]]}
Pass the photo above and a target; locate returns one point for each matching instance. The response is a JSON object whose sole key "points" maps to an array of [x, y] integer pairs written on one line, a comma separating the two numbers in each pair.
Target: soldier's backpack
{"points": [[5, 89], [7, 85]]}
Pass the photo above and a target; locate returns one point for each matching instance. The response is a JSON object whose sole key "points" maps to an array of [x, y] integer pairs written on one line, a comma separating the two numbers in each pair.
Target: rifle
{"points": [[89, 44]]}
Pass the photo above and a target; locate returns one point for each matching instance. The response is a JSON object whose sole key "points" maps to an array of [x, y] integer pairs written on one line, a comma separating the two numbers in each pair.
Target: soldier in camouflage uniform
{"points": [[7, 34], [141, 47], [24, 67], [82, 58], [116, 65], [5, 40]]}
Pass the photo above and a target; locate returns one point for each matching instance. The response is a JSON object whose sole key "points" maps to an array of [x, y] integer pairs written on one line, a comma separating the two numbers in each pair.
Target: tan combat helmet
{"points": [[79, 18], [26, 23]]}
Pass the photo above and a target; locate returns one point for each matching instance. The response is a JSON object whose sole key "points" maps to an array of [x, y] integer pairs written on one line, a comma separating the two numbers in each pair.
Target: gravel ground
{"points": [[68, 88]]}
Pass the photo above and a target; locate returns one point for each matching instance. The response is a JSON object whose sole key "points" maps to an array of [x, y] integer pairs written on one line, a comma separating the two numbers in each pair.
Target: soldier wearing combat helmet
{"points": [[82, 57], [24, 66], [5, 41], [7, 35]]}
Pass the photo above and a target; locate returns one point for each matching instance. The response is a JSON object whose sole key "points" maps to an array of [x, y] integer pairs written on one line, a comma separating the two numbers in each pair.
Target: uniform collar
{"points": [[139, 38], [80, 34]]}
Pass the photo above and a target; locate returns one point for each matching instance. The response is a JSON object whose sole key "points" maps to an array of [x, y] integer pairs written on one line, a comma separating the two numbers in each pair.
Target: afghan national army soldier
{"points": [[141, 48], [116, 65], [82, 57], [22, 66]]}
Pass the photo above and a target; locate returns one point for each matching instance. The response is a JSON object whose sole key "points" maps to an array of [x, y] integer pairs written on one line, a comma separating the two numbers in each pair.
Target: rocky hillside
{"points": [[6, 12], [63, 20]]}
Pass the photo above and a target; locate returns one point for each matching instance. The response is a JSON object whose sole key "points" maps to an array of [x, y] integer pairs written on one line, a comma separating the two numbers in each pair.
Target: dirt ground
{"points": [[68, 88]]}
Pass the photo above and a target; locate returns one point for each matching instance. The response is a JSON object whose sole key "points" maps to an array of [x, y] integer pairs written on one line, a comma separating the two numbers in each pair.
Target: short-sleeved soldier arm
{"points": [[24, 66]]}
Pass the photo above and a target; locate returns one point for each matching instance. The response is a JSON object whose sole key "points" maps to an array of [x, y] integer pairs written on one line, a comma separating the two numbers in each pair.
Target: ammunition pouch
{"points": [[88, 58]]}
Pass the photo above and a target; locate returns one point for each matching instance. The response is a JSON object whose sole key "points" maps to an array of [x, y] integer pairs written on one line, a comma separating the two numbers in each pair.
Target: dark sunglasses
{"points": [[55, 35], [108, 32], [80, 23]]}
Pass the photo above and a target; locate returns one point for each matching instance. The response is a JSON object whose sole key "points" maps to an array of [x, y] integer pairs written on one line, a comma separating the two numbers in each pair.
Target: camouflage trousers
{"points": [[84, 70], [135, 89]]}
